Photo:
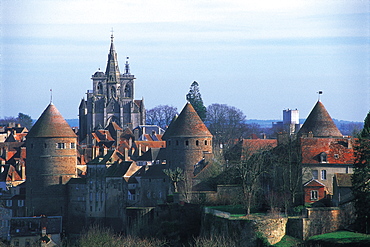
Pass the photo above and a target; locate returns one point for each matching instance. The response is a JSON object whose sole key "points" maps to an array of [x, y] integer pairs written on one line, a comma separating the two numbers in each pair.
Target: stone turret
{"points": [[51, 163], [188, 141]]}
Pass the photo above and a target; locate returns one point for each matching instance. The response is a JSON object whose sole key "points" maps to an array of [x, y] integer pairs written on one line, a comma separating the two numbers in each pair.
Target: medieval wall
{"points": [[320, 221], [247, 231]]}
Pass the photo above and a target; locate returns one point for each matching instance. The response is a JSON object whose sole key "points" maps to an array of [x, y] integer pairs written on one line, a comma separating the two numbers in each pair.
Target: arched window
{"points": [[127, 91], [113, 92], [99, 88]]}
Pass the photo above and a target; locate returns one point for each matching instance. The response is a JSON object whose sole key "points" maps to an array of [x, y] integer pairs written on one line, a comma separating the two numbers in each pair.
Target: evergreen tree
{"points": [[195, 99], [25, 120], [361, 178]]}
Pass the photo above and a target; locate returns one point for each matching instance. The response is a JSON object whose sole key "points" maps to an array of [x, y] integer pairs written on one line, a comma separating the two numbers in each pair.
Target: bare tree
{"points": [[226, 123], [249, 170], [176, 176], [161, 115]]}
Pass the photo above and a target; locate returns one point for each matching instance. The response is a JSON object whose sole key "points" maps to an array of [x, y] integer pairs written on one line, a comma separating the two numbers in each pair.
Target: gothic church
{"points": [[111, 100]]}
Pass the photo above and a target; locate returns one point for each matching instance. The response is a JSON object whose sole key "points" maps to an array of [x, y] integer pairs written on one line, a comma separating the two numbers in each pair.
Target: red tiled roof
{"points": [[253, 145], [51, 124], [338, 150]]}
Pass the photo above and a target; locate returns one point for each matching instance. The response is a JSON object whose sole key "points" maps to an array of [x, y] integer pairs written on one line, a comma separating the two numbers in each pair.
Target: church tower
{"points": [[110, 100], [51, 163]]}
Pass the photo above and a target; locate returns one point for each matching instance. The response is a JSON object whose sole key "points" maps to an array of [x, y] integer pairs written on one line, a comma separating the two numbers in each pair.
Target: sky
{"points": [[259, 56]]}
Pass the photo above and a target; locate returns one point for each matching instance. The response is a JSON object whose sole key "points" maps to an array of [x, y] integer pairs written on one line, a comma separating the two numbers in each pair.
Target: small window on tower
{"points": [[61, 145], [73, 145]]}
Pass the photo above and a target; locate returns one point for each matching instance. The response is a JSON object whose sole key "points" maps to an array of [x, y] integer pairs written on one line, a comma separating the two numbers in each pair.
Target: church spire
{"points": [[112, 70]]}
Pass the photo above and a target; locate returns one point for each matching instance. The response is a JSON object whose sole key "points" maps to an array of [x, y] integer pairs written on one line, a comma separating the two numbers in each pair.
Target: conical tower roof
{"points": [[320, 123], [51, 124], [187, 124]]}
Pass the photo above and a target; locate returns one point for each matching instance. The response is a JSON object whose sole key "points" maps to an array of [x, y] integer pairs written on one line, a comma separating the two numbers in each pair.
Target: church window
{"points": [[169, 143], [45, 145], [197, 142], [73, 145], [9, 203], [315, 174], [205, 142], [314, 195], [323, 174], [127, 91], [186, 143], [177, 143]]}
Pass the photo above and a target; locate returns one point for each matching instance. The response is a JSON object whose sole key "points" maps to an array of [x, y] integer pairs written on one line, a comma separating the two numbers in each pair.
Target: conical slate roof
{"points": [[187, 124], [320, 123], [51, 124]]}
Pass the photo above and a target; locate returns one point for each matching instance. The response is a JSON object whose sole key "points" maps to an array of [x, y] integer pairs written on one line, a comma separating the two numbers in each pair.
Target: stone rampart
{"points": [[246, 230]]}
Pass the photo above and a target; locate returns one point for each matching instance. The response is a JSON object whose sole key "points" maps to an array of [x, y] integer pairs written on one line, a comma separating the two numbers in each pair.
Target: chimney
{"points": [[126, 154], [350, 143]]}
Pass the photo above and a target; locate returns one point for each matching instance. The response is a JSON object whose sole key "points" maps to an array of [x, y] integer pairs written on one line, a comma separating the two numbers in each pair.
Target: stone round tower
{"points": [[51, 163], [188, 141]]}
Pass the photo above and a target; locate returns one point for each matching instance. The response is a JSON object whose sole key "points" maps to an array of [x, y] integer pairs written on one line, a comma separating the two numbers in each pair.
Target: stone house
{"points": [[324, 151]]}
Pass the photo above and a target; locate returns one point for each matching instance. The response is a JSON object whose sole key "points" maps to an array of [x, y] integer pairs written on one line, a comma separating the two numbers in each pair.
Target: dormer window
{"points": [[323, 157]]}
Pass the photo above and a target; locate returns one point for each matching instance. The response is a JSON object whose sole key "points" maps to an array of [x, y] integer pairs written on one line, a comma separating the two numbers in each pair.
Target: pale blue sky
{"points": [[259, 56]]}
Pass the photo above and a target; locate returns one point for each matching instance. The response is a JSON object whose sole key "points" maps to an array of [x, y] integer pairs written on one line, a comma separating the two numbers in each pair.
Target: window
{"points": [[73, 145], [20, 203], [45, 145], [177, 143], [336, 156], [197, 142], [186, 143], [205, 142], [323, 157], [169, 143], [61, 145], [323, 174], [9, 203], [315, 174], [314, 195]]}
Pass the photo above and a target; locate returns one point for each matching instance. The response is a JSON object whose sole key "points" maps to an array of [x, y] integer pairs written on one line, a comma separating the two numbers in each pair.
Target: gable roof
{"points": [[187, 124], [343, 179], [51, 124], [313, 183], [319, 123]]}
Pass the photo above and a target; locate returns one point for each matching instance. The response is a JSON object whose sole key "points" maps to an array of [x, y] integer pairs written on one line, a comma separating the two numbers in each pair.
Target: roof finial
{"points": [[111, 36], [319, 93], [51, 96]]}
